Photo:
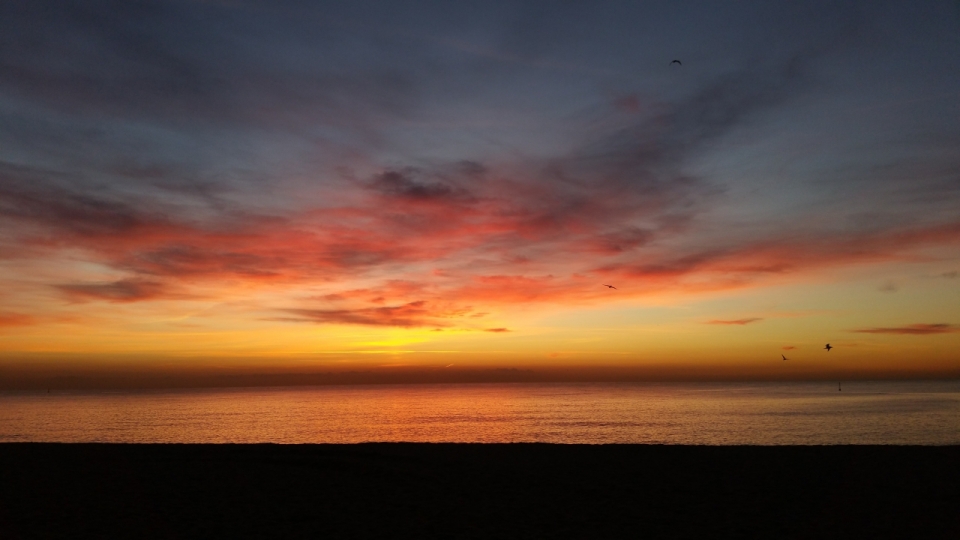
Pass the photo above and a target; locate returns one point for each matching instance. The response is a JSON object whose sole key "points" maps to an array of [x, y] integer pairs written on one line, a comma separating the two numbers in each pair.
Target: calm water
{"points": [[757, 413]]}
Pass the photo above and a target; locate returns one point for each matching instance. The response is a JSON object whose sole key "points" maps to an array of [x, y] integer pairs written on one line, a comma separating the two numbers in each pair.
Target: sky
{"points": [[279, 189]]}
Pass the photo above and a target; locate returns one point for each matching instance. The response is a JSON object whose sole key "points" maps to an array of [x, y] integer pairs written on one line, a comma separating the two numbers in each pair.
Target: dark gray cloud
{"points": [[736, 322], [44, 197], [889, 287], [127, 290], [624, 239], [181, 63], [403, 184], [920, 329], [190, 261], [413, 314]]}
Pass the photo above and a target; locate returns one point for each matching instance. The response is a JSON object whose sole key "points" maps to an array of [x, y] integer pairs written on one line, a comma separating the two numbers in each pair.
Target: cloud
{"points": [[617, 201], [739, 322], [186, 260], [155, 238], [647, 157], [403, 185], [118, 291], [889, 287], [34, 196], [919, 329], [163, 63], [496, 330], [413, 314], [950, 275], [746, 261], [625, 239], [510, 242], [390, 290], [16, 319], [788, 347]]}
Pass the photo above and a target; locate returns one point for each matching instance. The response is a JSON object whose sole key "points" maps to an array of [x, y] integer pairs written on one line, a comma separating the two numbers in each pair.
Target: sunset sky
{"points": [[263, 187]]}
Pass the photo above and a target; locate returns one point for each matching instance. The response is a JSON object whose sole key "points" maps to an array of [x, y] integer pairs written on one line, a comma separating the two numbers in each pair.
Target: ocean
{"points": [[807, 413]]}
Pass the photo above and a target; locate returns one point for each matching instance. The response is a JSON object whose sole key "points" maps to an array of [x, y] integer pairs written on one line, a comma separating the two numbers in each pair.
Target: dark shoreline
{"points": [[391, 490]]}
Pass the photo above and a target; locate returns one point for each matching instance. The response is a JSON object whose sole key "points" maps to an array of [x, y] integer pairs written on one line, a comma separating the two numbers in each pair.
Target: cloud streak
{"points": [[16, 319], [736, 322], [920, 329], [118, 291], [410, 315]]}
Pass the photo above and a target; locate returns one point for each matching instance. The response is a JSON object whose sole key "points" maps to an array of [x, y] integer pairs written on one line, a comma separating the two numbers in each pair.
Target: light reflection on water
{"points": [[749, 413]]}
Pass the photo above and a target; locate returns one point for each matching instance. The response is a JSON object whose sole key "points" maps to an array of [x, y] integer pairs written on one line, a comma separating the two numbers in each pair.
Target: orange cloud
{"points": [[16, 319]]}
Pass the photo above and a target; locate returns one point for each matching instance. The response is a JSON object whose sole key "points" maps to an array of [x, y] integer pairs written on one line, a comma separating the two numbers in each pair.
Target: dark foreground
{"points": [[477, 491]]}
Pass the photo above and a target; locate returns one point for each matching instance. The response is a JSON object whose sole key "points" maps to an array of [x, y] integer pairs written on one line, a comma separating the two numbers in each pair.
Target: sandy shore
{"points": [[477, 491]]}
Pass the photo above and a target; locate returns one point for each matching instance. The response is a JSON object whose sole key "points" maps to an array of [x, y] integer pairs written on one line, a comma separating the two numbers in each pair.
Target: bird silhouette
{"points": [[679, 63], [610, 286], [828, 347], [784, 357]]}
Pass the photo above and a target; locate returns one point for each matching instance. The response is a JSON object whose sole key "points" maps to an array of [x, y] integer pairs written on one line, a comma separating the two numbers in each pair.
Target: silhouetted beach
{"points": [[389, 490]]}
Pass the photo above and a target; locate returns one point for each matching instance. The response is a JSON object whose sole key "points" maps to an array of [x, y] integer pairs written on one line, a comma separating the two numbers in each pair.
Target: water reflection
{"points": [[798, 413]]}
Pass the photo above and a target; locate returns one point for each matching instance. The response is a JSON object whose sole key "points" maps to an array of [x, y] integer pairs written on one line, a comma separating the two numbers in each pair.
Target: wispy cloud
{"points": [[920, 329], [118, 291], [405, 185], [738, 322], [889, 287], [413, 314], [16, 319]]}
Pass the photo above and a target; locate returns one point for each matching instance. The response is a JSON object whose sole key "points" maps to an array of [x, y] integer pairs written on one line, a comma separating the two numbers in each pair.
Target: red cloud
{"points": [[740, 322], [788, 347], [487, 241], [920, 329], [519, 289], [496, 330]]}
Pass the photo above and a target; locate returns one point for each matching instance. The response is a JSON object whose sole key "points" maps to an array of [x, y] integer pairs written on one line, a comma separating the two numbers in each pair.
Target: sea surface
{"points": [[810, 413]]}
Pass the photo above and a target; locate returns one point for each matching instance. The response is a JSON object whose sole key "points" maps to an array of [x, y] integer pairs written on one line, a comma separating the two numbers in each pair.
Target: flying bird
{"points": [[828, 347], [784, 357], [679, 63], [610, 286]]}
